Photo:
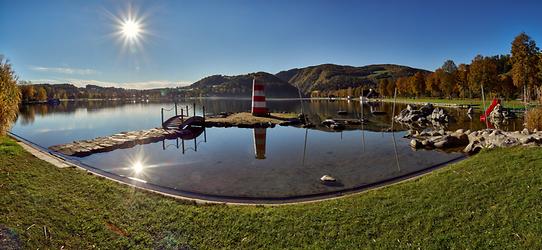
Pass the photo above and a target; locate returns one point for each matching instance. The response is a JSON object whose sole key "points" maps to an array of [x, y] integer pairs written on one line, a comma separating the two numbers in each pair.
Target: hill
{"points": [[328, 77], [241, 85]]}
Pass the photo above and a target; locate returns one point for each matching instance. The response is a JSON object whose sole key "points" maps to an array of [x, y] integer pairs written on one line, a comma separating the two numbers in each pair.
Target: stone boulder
{"points": [[425, 115], [500, 114]]}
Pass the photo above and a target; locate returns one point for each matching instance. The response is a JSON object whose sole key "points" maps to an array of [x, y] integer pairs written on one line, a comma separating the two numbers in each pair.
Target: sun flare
{"points": [[137, 167], [130, 29]]}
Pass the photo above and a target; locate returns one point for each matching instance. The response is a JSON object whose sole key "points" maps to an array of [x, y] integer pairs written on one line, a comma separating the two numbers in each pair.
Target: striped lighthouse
{"points": [[259, 142], [259, 106]]}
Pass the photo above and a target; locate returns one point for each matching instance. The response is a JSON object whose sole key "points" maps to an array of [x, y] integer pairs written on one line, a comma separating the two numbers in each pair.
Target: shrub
{"points": [[10, 96], [533, 119]]}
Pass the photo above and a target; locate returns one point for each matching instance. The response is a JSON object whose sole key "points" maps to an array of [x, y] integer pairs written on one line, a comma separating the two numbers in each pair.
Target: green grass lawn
{"points": [[506, 103], [492, 200]]}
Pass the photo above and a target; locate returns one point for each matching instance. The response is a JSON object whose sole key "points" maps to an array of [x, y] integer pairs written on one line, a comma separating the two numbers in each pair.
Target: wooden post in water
{"points": [[195, 143], [162, 111], [182, 115], [187, 113], [194, 107], [176, 109]]}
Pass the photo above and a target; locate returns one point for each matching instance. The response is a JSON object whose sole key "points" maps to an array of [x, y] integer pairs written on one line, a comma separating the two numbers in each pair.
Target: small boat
{"points": [[53, 101]]}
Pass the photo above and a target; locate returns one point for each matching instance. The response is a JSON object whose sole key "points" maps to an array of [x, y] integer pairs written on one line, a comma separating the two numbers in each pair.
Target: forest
{"points": [[517, 75]]}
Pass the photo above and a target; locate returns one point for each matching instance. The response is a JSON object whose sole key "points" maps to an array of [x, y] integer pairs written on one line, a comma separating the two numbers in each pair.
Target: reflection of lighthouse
{"points": [[259, 107], [259, 142]]}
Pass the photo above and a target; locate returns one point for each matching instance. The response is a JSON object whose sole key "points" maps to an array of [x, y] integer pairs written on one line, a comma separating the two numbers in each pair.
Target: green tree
{"points": [[447, 75], [10, 95], [524, 63], [449, 66], [462, 80]]}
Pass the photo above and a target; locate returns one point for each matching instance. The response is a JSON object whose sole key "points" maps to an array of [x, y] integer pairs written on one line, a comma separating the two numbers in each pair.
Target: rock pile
{"points": [[425, 115], [439, 139], [473, 142], [500, 114]]}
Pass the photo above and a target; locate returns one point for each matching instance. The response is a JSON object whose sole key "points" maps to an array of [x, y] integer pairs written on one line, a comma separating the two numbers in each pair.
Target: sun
{"points": [[130, 29]]}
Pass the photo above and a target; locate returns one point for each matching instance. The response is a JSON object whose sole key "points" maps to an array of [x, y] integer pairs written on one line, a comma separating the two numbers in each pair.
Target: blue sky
{"points": [[183, 41]]}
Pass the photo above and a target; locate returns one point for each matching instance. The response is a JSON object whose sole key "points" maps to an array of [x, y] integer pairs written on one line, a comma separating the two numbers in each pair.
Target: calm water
{"points": [[251, 163]]}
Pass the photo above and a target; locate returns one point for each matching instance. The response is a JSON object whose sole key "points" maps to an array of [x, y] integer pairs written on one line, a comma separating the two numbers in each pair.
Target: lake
{"points": [[239, 164]]}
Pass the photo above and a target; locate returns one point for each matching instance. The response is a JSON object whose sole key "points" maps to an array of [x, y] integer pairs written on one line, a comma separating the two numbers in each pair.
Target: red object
{"points": [[259, 142], [494, 103], [259, 106]]}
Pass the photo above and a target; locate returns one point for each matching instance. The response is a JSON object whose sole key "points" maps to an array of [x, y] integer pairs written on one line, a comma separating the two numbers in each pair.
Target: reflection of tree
{"points": [[42, 109], [26, 114]]}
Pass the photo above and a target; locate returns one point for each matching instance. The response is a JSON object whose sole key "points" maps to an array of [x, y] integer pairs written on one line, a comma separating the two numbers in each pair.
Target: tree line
{"points": [[43, 92], [516, 75]]}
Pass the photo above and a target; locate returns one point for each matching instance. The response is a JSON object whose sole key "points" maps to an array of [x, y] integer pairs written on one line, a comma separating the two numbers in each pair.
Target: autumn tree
{"points": [[446, 75], [41, 94], [382, 85], [417, 84], [432, 84], [390, 88], [524, 63], [402, 86], [483, 72], [10, 96], [505, 86], [27, 91]]}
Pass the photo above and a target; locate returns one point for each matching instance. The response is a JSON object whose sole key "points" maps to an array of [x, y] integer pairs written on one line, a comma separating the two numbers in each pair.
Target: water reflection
{"points": [[273, 163], [377, 115], [182, 142]]}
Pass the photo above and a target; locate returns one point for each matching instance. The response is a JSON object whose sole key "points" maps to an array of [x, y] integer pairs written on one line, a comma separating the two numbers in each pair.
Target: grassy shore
{"points": [[492, 200], [477, 102], [247, 118]]}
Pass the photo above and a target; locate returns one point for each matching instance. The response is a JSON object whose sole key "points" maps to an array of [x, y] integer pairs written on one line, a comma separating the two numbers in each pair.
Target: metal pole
{"points": [[182, 115], [187, 113], [194, 109], [203, 108], [162, 111], [393, 131], [484, 105], [393, 110], [176, 109]]}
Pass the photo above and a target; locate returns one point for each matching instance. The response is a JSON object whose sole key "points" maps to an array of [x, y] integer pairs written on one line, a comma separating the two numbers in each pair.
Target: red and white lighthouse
{"points": [[259, 106]]}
